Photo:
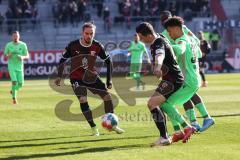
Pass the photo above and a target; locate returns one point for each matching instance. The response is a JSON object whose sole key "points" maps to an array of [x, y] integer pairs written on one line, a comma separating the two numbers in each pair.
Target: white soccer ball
{"points": [[109, 121]]}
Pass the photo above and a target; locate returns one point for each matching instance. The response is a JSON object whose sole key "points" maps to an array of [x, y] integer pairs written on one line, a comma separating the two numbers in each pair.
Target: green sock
{"points": [[191, 115], [14, 91], [173, 113], [175, 124], [202, 109]]}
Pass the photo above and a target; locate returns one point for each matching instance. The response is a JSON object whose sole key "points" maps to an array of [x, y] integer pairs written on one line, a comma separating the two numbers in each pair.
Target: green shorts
{"points": [[182, 95], [17, 76]]}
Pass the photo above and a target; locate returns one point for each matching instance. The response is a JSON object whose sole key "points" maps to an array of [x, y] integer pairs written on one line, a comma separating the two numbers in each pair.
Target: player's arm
{"points": [[7, 54], [107, 59], [179, 48], [66, 54], [159, 57], [25, 54], [189, 33], [130, 49]]}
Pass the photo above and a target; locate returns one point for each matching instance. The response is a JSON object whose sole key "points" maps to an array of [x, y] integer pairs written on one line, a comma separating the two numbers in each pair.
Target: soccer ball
{"points": [[109, 121]]}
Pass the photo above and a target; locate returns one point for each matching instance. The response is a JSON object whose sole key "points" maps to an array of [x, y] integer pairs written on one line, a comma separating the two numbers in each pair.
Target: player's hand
{"points": [[109, 85], [149, 61], [158, 72], [20, 58], [9, 55], [57, 81]]}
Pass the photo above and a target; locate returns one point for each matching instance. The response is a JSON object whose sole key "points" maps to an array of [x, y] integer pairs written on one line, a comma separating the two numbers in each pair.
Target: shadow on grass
{"points": [[87, 150], [39, 139], [73, 142]]}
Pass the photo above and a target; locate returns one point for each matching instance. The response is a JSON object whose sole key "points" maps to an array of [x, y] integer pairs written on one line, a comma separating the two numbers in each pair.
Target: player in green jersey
{"points": [[136, 50], [196, 99], [186, 51], [16, 51]]}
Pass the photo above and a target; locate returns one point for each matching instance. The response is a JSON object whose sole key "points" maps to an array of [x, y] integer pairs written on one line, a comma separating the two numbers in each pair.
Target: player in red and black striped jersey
{"points": [[83, 54]]}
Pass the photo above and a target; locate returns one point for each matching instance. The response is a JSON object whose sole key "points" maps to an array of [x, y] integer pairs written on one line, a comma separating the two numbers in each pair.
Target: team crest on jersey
{"points": [[93, 53], [85, 63]]}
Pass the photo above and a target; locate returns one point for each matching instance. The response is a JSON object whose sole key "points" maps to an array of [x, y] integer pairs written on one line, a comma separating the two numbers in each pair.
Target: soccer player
{"points": [[16, 51], [136, 51], [83, 53], [196, 99], [187, 56], [165, 66], [205, 48]]}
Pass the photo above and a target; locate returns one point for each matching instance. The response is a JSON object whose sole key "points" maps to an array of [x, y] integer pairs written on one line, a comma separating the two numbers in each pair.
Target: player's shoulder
{"points": [[74, 42], [9, 43], [160, 40], [97, 43], [22, 43]]}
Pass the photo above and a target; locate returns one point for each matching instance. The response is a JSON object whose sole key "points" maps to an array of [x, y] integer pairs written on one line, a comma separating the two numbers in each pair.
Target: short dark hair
{"points": [[164, 15], [174, 22], [88, 25], [145, 28]]}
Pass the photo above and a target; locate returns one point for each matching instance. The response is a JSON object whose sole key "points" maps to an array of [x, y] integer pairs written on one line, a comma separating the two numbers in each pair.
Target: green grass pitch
{"points": [[31, 130]]}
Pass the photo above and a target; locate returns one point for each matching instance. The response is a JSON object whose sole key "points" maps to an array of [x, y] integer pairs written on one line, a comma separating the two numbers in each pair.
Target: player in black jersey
{"points": [[83, 53], [205, 48], [166, 67]]}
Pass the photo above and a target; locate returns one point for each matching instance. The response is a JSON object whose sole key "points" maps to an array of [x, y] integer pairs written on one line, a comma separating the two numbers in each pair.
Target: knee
{"points": [[83, 99], [14, 83], [107, 97], [20, 84], [151, 104]]}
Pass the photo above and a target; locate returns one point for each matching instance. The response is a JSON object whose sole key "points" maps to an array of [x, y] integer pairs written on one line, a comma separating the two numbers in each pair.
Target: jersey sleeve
{"points": [[6, 50], [25, 50], [67, 52], [102, 53], [159, 48], [180, 47], [130, 47]]}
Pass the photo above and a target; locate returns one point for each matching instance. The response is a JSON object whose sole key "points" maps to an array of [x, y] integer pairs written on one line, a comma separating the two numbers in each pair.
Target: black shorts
{"points": [[97, 87], [167, 88]]}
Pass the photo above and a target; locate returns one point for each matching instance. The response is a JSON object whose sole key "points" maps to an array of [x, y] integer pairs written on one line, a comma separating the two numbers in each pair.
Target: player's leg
{"points": [[190, 112], [158, 116], [98, 87], [208, 120], [13, 91], [163, 91], [20, 79], [81, 92], [202, 74], [181, 96]]}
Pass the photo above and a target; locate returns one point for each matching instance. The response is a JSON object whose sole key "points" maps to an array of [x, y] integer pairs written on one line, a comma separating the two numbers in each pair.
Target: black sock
{"points": [[202, 76], [108, 106], [159, 120], [87, 113]]}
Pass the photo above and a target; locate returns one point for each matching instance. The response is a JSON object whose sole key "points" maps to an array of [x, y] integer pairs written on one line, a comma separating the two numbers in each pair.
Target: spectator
{"points": [[1, 21], [73, 8], [215, 38], [107, 20]]}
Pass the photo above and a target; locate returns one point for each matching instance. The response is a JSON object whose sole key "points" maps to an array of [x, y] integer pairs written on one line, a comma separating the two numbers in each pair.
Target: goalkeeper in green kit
{"points": [[136, 50], [16, 51]]}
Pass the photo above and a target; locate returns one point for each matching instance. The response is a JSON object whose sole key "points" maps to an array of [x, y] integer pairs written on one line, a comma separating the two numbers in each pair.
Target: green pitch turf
{"points": [[31, 129]]}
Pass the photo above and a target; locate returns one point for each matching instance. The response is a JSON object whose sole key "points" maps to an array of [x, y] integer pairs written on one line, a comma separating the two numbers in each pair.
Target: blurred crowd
{"points": [[18, 13]]}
